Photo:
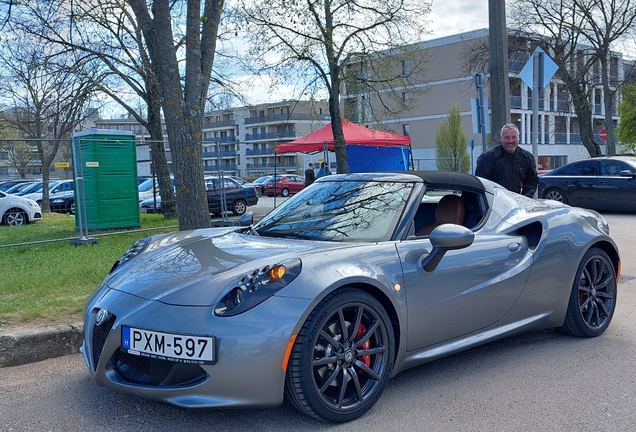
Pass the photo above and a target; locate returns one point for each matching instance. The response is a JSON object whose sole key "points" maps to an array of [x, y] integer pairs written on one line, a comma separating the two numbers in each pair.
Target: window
{"points": [[405, 129], [585, 168], [405, 67], [612, 168]]}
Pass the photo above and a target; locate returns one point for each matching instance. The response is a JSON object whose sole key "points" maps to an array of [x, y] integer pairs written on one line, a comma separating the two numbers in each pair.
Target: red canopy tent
{"points": [[354, 135]]}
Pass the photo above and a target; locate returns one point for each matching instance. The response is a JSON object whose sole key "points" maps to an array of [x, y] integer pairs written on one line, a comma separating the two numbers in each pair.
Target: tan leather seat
{"points": [[450, 209]]}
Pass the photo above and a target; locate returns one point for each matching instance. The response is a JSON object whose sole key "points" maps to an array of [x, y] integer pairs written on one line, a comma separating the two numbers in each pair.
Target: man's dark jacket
{"points": [[516, 171]]}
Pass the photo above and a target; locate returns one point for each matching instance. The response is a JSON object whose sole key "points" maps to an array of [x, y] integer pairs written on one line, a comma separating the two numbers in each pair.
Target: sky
{"points": [[447, 17]]}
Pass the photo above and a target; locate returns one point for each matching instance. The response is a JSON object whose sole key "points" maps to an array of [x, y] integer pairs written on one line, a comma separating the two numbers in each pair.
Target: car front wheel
{"points": [[555, 195], [15, 217], [342, 357], [593, 297], [259, 192], [239, 208]]}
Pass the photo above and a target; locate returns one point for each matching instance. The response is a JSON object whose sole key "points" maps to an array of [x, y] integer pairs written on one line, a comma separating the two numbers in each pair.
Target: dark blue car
{"points": [[237, 197], [605, 183]]}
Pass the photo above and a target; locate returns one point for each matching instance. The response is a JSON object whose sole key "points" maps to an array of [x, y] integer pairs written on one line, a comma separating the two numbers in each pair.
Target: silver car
{"points": [[353, 280]]}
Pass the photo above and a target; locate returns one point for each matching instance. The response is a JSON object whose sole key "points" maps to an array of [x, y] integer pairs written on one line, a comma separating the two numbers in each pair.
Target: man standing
{"points": [[509, 165], [310, 176]]}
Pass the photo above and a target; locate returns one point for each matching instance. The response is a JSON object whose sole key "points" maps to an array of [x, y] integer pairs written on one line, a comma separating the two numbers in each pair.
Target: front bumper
{"points": [[249, 350]]}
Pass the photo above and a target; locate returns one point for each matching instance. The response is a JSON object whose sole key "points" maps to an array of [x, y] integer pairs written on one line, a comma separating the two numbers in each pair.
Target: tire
{"points": [[15, 217], [72, 208], [284, 192], [593, 297], [259, 192], [325, 355], [239, 207], [555, 195]]}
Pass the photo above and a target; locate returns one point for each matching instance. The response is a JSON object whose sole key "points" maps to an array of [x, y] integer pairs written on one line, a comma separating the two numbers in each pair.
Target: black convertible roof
{"points": [[431, 178]]}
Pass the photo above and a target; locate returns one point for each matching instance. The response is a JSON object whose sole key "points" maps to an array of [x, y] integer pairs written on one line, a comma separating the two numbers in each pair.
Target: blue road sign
{"points": [[547, 69]]}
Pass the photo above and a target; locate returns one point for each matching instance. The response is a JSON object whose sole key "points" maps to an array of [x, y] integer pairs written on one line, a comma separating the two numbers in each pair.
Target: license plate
{"points": [[167, 346], [143, 210]]}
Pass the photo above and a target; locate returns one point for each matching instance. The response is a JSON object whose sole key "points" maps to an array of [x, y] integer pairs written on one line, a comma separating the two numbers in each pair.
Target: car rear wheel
{"points": [[239, 208], [15, 217], [593, 297], [555, 195], [284, 192], [342, 357]]}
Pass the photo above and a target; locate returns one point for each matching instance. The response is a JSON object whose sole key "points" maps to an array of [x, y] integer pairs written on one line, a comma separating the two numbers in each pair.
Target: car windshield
{"points": [[339, 211], [261, 180]]}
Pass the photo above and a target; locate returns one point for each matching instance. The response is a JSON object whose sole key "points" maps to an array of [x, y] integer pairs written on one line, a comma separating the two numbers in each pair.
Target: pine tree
{"points": [[451, 151]]}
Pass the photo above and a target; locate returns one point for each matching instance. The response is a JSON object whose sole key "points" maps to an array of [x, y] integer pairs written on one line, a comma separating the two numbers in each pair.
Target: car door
{"points": [[471, 289], [616, 192], [580, 184]]}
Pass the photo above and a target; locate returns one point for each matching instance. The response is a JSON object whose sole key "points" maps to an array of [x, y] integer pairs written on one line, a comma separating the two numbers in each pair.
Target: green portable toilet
{"points": [[105, 171]]}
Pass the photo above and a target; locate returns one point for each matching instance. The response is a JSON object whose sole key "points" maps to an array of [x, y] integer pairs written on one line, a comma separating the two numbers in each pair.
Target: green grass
{"points": [[48, 283]]}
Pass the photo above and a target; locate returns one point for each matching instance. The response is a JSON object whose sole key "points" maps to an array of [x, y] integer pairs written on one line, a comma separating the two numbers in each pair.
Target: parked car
{"points": [[334, 292], [237, 197], [605, 183], [8, 185], [258, 184], [283, 185], [55, 187], [17, 210], [63, 202], [23, 188]]}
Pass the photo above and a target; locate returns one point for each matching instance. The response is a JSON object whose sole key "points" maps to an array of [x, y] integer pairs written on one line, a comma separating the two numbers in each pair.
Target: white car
{"points": [[55, 187], [17, 210]]}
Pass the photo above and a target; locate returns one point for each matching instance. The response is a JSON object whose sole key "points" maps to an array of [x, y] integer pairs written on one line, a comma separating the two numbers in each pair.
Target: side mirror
{"points": [[628, 173], [247, 219], [444, 238]]}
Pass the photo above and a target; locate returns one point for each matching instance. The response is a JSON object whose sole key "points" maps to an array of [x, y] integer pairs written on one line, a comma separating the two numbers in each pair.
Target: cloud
{"points": [[452, 17]]}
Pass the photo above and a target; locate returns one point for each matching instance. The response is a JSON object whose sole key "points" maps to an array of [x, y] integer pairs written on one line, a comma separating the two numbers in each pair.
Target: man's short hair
{"points": [[508, 126], [311, 164]]}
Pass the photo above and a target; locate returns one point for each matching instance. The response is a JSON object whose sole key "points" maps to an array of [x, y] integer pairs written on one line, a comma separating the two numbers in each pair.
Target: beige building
{"points": [[241, 141], [446, 83]]}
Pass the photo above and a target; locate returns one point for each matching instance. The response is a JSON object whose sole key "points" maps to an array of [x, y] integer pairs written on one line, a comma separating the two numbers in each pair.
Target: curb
{"points": [[36, 345]]}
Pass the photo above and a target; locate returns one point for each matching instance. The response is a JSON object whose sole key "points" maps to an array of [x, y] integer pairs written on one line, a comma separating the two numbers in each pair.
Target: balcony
{"points": [[285, 118], [221, 140], [259, 152], [219, 124], [215, 154], [270, 136], [217, 168]]}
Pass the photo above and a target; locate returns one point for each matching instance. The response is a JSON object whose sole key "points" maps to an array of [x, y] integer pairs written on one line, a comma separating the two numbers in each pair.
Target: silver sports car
{"points": [[348, 283]]}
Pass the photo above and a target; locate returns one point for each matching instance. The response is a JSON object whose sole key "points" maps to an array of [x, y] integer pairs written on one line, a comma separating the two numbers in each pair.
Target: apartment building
{"points": [[446, 83], [240, 141]]}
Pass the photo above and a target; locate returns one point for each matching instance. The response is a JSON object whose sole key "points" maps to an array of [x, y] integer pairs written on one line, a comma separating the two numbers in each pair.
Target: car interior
{"points": [[440, 207]]}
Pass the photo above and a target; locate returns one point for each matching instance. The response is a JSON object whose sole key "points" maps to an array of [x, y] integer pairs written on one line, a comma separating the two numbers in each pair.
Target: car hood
{"points": [[195, 268]]}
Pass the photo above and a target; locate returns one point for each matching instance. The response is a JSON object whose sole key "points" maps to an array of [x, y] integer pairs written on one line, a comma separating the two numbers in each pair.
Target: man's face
{"points": [[510, 140]]}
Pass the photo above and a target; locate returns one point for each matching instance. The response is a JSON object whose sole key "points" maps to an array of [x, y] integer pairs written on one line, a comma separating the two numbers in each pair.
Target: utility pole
{"points": [[499, 85]]}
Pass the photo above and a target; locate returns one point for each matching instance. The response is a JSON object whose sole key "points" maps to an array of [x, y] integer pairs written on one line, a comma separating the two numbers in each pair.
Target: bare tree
{"points": [[108, 32], [605, 22], [47, 92], [183, 98], [16, 152], [322, 44], [563, 29]]}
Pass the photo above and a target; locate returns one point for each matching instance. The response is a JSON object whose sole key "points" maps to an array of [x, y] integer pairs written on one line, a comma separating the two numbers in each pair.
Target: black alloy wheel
{"points": [[593, 297], [342, 358]]}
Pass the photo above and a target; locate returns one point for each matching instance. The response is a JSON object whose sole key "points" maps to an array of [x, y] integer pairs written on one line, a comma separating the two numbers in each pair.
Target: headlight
{"points": [[256, 287], [34, 204], [138, 247]]}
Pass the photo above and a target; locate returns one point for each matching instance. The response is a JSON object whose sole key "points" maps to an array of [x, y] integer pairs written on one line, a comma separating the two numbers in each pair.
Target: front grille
{"points": [[100, 333], [148, 371]]}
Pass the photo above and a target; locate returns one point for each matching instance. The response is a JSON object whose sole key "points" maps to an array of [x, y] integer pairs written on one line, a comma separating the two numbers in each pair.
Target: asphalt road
{"points": [[535, 382]]}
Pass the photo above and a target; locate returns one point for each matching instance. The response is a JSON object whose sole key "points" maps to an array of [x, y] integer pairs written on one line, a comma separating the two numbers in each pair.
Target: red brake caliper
{"points": [[366, 359]]}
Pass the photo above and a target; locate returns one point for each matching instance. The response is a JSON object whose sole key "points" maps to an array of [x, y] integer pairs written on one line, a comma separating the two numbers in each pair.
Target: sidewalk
{"points": [[18, 347]]}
